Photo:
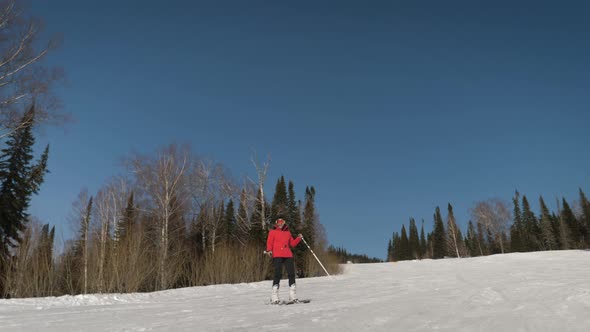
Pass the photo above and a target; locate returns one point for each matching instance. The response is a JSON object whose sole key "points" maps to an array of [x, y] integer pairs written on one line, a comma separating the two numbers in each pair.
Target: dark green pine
{"points": [[414, 240], [439, 238], [517, 230], [573, 230], [548, 240], [422, 241], [230, 223], [293, 214], [532, 231], [19, 180], [585, 218], [404, 245], [308, 229], [279, 205]]}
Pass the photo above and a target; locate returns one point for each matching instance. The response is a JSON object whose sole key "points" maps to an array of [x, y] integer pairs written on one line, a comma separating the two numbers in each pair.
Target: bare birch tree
{"points": [[261, 171], [23, 77], [210, 185], [82, 212], [163, 179], [453, 232], [105, 213], [494, 215]]}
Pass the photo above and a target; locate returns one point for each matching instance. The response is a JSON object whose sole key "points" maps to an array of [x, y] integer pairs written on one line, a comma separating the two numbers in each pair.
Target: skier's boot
{"points": [[293, 294], [274, 298]]}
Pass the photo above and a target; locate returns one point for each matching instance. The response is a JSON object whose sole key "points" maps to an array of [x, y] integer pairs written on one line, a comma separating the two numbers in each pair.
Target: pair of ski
{"points": [[291, 302]]}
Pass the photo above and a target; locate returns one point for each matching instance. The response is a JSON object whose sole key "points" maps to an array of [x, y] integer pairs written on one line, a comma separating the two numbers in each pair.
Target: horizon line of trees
{"points": [[176, 220], [495, 229], [345, 257]]}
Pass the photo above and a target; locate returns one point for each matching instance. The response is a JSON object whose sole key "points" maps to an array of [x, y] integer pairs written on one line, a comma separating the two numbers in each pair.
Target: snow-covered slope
{"points": [[544, 291]]}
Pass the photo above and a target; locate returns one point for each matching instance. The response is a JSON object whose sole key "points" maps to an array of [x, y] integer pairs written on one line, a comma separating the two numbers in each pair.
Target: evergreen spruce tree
{"points": [[438, 236], [129, 218], [404, 245], [585, 218], [414, 240], [422, 241], [280, 205], [397, 254], [471, 240], [556, 228], [390, 250], [572, 226], [516, 230], [308, 229], [296, 226], [230, 223], [44, 255], [293, 215], [429, 246], [531, 227], [548, 240], [19, 180]]}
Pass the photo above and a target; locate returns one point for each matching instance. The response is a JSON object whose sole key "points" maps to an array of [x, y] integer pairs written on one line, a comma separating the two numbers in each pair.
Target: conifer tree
{"points": [[308, 228], [390, 250], [438, 236], [585, 218], [548, 241], [397, 254], [414, 240], [293, 209], [556, 228], [516, 230], [471, 240], [532, 232], [44, 256], [429, 246], [404, 245], [295, 224], [230, 225], [422, 241], [572, 229], [129, 218], [280, 205], [19, 180]]}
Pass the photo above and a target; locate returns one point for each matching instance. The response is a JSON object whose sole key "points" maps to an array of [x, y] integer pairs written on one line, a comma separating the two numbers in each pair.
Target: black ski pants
{"points": [[278, 263]]}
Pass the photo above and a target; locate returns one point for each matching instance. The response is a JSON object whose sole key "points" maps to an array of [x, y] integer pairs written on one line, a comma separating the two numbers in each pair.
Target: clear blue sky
{"points": [[388, 108]]}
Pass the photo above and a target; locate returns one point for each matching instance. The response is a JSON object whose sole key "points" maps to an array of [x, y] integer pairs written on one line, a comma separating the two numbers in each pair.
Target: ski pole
{"points": [[316, 257]]}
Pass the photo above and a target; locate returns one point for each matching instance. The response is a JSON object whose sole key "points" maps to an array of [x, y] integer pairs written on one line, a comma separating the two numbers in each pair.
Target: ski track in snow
{"points": [[542, 291]]}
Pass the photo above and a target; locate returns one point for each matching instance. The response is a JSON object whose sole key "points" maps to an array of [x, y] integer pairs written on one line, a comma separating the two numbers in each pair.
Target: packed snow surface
{"points": [[541, 291]]}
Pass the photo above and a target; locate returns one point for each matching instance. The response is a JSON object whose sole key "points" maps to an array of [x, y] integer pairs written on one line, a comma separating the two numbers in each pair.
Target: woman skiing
{"points": [[278, 246]]}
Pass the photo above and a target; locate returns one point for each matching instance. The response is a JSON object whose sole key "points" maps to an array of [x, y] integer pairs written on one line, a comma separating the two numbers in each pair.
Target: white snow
{"points": [[542, 291]]}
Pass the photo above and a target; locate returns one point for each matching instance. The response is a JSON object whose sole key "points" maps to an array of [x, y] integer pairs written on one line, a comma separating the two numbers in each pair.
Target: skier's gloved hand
{"points": [[269, 253], [300, 236]]}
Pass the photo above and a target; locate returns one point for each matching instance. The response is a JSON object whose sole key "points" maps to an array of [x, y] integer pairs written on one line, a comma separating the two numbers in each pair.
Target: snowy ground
{"points": [[545, 291]]}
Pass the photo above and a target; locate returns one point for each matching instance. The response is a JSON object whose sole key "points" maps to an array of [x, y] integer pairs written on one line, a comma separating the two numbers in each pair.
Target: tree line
{"points": [[175, 220], [345, 257], [494, 228]]}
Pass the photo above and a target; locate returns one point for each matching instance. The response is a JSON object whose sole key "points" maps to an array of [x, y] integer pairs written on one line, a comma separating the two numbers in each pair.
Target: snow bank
{"points": [[542, 291]]}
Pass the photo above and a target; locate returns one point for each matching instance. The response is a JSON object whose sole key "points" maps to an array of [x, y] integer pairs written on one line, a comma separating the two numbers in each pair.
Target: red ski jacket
{"points": [[279, 242]]}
